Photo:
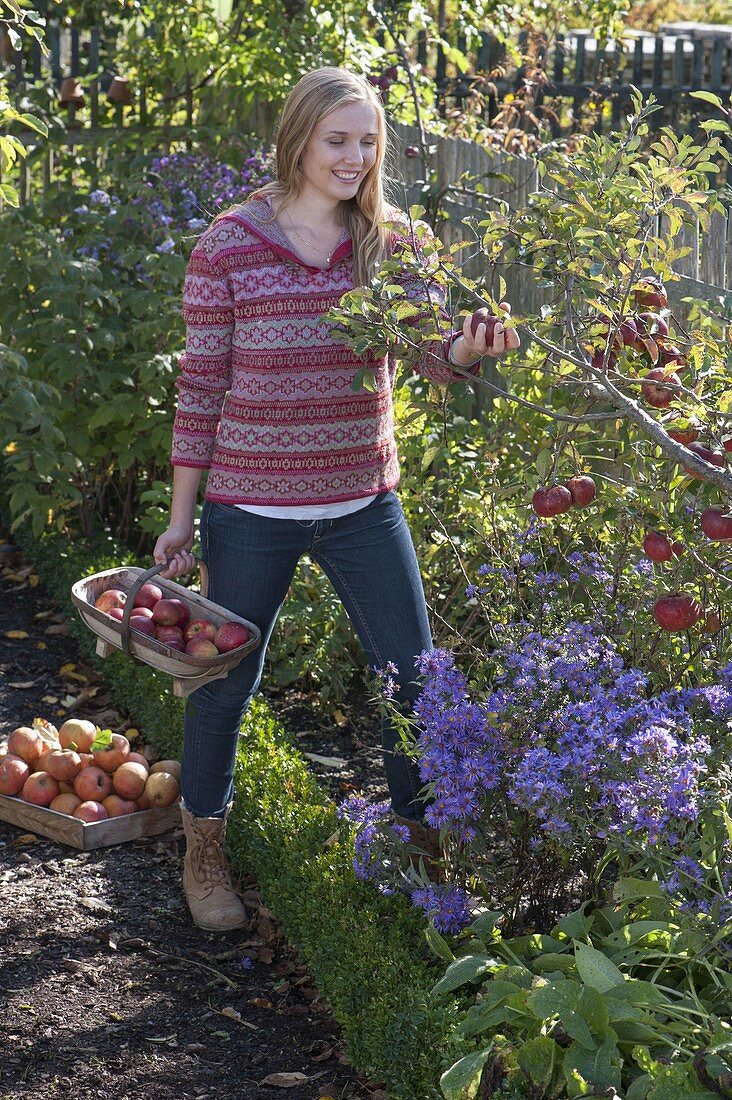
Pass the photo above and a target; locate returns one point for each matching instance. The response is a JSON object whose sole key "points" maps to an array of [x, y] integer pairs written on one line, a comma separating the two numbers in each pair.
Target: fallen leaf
{"points": [[22, 686], [24, 838], [57, 628], [260, 1002], [265, 955], [285, 1080], [34, 580], [41, 645], [328, 1053], [339, 717], [16, 634], [44, 614], [326, 761], [132, 734], [231, 1013], [96, 905], [49, 699]]}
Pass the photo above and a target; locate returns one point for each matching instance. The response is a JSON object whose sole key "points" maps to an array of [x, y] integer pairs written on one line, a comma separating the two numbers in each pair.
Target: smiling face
{"points": [[340, 152]]}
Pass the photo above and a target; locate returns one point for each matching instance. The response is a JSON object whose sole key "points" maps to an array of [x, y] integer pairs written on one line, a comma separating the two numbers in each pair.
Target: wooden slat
{"points": [[688, 237], [712, 250], [87, 835]]}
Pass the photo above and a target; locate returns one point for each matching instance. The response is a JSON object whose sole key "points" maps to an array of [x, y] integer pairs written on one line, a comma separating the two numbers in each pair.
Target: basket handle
{"points": [[137, 585]]}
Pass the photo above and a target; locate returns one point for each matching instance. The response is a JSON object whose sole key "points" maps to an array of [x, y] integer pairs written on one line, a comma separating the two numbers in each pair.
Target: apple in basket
{"points": [[142, 625], [200, 628], [113, 597], [148, 596], [230, 636], [172, 636], [171, 612], [201, 647]]}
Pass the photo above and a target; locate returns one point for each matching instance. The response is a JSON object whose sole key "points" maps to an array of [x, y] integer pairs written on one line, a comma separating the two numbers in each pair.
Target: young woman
{"points": [[298, 463]]}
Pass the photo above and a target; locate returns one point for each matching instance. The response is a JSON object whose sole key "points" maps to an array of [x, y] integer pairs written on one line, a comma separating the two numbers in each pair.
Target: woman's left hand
{"points": [[480, 343]]}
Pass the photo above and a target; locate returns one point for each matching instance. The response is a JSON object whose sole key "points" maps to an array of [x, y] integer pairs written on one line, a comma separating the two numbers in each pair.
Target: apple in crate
{"points": [[114, 753], [13, 773], [118, 807], [91, 811], [77, 734], [40, 788], [172, 766], [200, 628], [230, 636], [63, 764], [113, 597], [129, 780], [65, 803], [148, 596], [93, 785], [26, 743], [162, 789]]}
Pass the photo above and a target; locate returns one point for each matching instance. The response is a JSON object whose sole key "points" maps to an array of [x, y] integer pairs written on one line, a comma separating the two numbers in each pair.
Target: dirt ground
{"points": [[106, 986]]}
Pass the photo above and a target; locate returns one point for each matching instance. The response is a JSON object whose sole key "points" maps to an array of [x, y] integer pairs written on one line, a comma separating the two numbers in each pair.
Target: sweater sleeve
{"points": [[433, 361], [205, 366]]}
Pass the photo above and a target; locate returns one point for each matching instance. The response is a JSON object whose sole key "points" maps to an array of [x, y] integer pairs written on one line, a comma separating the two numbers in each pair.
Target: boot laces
{"points": [[209, 862]]}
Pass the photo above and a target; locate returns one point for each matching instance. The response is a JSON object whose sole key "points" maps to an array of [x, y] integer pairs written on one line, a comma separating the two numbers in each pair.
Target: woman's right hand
{"points": [[174, 546]]}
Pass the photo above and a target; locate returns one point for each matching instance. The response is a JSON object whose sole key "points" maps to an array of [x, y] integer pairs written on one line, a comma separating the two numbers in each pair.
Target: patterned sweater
{"points": [[265, 398]]}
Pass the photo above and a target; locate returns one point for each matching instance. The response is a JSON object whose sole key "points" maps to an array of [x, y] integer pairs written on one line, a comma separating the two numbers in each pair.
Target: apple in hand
{"points": [[230, 636], [582, 489], [551, 502]]}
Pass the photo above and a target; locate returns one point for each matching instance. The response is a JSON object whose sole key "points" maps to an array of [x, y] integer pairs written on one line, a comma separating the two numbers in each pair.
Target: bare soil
{"points": [[106, 986]]}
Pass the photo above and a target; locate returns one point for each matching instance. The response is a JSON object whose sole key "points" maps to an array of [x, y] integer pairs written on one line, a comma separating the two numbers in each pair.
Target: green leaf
{"points": [[438, 944], [462, 1080], [596, 969], [599, 1068], [544, 462], [9, 195], [575, 924], [430, 455], [463, 970], [636, 889], [537, 1058], [638, 1090], [482, 1015], [707, 97]]}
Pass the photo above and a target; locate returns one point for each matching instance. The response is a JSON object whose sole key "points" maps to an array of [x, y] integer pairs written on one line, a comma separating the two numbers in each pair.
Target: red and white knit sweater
{"points": [[265, 398]]}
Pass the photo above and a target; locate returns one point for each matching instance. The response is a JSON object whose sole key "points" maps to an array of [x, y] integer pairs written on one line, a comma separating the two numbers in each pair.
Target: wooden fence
{"points": [[706, 272]]}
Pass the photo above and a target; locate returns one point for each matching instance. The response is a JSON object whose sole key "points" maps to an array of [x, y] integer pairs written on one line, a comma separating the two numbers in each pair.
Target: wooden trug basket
{"points": [[188, 672]]}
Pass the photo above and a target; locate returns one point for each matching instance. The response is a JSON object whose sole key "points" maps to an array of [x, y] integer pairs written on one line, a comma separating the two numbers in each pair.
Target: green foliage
{"points": [[617, 998]]}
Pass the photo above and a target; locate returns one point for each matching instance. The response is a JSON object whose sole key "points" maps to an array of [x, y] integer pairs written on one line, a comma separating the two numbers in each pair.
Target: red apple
{"points": [[650, 324], [116, 613], [678, 549], [551, 502], [40, 788], [651, 293], [172, 636], [13, 773], [114, 753], [655, 390], [200, 628], [231, 636], [78, 734], [65, 803], [582, 489], [716, 525], [138, 758], [727, 444], [90, 811], [669, 353], [716, 458], [712, 622], [142, 626], [93, 784], [683, 435], [657, 547], [201, 647], [484, 316], [118, 807], [129, 780], [598, 359], [142, 612], [172, 766], [26, 743], [171, 612], [148, 596], [674, 613], [113, 597], [63, 764]]}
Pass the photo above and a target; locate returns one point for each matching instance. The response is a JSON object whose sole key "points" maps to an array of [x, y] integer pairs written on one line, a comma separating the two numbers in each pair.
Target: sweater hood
{"points": [[257, 216]]}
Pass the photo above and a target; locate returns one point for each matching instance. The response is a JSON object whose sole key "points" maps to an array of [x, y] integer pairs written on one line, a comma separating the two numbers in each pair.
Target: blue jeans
{"points": [[370, 560]]}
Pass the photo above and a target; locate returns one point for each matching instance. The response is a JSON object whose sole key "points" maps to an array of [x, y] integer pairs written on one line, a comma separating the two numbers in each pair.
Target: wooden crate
{"points": [[87, 835]]}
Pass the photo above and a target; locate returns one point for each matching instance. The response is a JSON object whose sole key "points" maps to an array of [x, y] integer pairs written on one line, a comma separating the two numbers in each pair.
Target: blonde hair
{"points": [[315, 96]]}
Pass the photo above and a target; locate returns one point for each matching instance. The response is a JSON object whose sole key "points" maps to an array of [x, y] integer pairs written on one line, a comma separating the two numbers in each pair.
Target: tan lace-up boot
{"points": [[211, 898], [424, 842]]}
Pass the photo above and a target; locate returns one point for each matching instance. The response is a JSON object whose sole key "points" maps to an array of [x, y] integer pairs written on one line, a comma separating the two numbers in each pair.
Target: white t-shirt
{"points": [[308, 511]]}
